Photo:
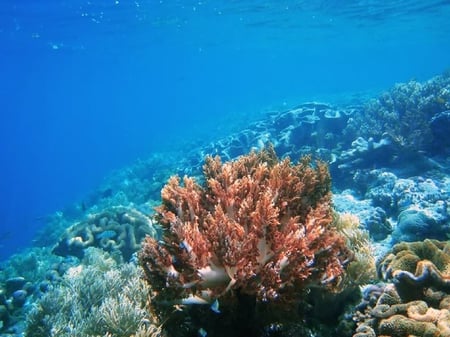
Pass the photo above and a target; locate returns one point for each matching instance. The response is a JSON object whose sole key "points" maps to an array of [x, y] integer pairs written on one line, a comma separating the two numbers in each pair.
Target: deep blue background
{"points": [[89, 87]]}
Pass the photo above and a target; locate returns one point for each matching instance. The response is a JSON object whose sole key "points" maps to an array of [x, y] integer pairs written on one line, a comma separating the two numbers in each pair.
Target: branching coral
{"points": [[257, 225], [96, 298], [404, 113]]}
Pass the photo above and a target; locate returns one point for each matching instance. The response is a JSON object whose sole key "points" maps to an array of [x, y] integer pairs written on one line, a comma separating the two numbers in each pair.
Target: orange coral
{"points": [[258, 225]]}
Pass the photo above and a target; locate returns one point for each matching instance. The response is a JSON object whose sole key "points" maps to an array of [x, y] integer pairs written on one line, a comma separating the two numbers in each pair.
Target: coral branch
{"points": [[258, 225]]}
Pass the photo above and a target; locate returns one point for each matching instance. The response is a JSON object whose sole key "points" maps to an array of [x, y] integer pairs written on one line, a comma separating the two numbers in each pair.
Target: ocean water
{"points": [[102, 100], [88, 87]]}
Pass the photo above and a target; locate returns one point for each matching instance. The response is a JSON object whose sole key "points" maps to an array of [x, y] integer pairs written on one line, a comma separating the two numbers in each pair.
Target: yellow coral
{"points": [[362, 269], [401, 326]]}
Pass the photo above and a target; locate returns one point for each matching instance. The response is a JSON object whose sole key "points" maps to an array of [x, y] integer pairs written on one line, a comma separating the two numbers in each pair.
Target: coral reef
{"points": [[440, 124], [258, 230], [361, 270], [404, 113], [368, 153], [414, 225], [19, 285], [405, 124], [135, 184], [301, 130], [392, 316], [417, 266], [96, 298], [418, 206], [373, 219], [117, 229], [253, 275], [417, 302]]}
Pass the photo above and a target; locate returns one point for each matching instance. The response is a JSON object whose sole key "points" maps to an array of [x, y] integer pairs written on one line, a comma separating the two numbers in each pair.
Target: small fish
{"points": [[202, 332], [186, 246], [192, 299], [215, 306]]}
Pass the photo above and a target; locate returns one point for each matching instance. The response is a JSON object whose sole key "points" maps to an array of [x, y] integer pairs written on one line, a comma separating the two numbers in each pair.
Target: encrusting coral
{"points": [[258, 227]]}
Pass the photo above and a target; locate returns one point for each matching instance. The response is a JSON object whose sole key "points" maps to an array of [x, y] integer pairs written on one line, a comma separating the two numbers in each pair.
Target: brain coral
{"points": [[417, 302], [117, 229], [416, 266]]}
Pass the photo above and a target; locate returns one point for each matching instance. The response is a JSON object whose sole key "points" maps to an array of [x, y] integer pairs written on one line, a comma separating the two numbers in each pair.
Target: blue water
{"points": [[88, 87]]}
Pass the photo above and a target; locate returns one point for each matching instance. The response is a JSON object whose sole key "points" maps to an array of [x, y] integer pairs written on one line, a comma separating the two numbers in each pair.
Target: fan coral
{"points": [[257, 226]]}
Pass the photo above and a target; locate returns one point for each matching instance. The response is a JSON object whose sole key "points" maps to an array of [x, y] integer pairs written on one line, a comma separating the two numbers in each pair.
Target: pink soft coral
{"points": [[257, 225]]}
